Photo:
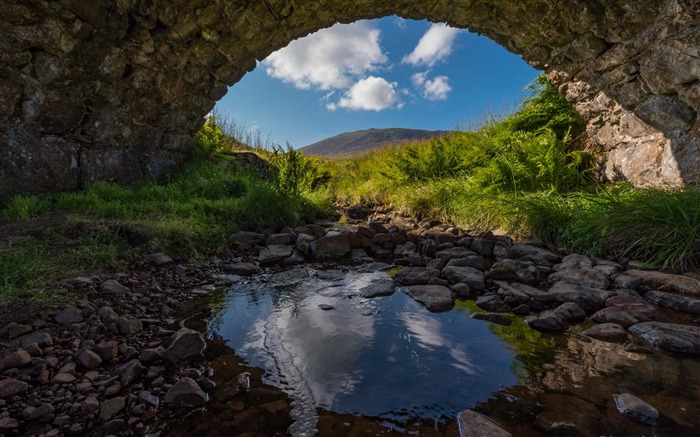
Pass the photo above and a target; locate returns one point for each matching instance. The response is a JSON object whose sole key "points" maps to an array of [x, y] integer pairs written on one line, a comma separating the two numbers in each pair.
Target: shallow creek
{"points": [[351, 365]]}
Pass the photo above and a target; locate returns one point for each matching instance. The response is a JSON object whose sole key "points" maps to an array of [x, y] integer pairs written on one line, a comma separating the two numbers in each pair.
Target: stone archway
{"points": [[115, 89]]}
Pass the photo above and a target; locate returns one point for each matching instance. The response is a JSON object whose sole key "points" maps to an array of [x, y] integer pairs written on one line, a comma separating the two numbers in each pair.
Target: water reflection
{"points": [[385, 357]]}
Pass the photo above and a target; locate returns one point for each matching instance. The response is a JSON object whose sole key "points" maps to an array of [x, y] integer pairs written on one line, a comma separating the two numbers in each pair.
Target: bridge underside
{"points": [[115, 89]]}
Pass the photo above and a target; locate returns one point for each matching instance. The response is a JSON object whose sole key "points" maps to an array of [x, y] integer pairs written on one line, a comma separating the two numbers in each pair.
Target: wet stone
{"points": [[242, 269], [186, 345], [416, 275], [614, 315], [326, 307], [68, 316], [158, 259], [435, 298], [473, 424], [186, 393], [549, 321], [636, 409], [672, 337], [465, 275], [493, 303], [571, 312], [610, 332], [674, 301]]}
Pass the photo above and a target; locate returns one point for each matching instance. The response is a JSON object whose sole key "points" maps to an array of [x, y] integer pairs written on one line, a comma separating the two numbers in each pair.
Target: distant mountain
{"points": [[361, 141]]}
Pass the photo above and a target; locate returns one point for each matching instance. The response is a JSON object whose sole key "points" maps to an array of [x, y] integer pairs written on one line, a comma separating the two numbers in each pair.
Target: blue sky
{"points": [[377, 74]]}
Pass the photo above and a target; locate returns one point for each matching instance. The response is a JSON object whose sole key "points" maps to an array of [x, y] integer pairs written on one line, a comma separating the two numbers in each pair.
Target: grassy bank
{"points": [[529, 174], [105, 226]]}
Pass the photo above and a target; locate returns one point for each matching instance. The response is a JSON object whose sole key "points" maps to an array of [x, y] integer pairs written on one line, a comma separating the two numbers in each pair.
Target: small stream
{"points": [[341, 357]]}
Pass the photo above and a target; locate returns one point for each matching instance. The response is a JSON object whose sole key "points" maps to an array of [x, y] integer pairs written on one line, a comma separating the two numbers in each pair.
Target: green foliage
{"points": [[294, 172], [195, 214]]}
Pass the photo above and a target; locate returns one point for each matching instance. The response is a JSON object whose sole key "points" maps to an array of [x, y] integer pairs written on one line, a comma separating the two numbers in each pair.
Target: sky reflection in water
{"points": [[384, 356]]}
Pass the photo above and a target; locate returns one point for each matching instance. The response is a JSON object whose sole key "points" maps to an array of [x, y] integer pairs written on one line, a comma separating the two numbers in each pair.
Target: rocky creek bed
{"points": [[598, 348]]}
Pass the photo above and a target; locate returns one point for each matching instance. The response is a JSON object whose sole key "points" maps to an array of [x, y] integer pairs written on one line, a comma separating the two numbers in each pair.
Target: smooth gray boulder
{"points": [[549, 322], [473, 424], [436, 298], [466, 275], [610, 332], [636, 409], [673, 301], [684, 339], [416, 275]]}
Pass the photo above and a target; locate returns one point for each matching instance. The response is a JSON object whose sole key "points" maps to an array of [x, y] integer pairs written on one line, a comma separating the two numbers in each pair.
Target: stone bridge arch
{"points": [[115, 89]]}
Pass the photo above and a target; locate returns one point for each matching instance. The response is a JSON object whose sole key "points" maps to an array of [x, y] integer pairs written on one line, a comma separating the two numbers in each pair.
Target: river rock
{"points": [[591, 278], [574, 261], [379, 284], [242, 269], [475, 261], [128, 325], [590, 299], [15, 360], [273, 254], [453, 253], [331, 246], [107, 350], [514, 271], [473, 424], [673, 301], [493, 303], [130, 371], [678, 283], [416, 275], [111, 407], [549, 322], [252, 238], [186, 393], [7, 423], [466, 275], [611, 332], [436, 298], [10, 387], [511, 295], [496, 318], [615, 315], [89, 359], [636, 409], [186, 345], [532, 292], [280, 240], [68, 316], [303, 243], [110, 287], [627, 281], [43, 339], [683, 339], [522, 250], [159, 259], [571, 312]]}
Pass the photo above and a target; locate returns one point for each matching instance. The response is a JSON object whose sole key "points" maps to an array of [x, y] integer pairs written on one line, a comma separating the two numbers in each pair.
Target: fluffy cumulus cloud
{"points": [[435, 46], [329, 59], [432, 89], [369, 94]]}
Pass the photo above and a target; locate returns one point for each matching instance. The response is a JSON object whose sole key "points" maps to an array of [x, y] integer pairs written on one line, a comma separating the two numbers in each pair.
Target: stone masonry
{"points": [[115, 89]]}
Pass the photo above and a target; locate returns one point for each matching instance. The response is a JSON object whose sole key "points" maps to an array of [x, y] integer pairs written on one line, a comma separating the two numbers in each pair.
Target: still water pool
{"points": [[382, 356], [353, 365]]}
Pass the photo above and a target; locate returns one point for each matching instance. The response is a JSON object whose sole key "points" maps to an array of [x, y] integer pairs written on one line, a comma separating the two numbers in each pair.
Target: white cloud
{"points": [[432, 89], [437, 89], [434, 46], [369, 94], [332, 58]]}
